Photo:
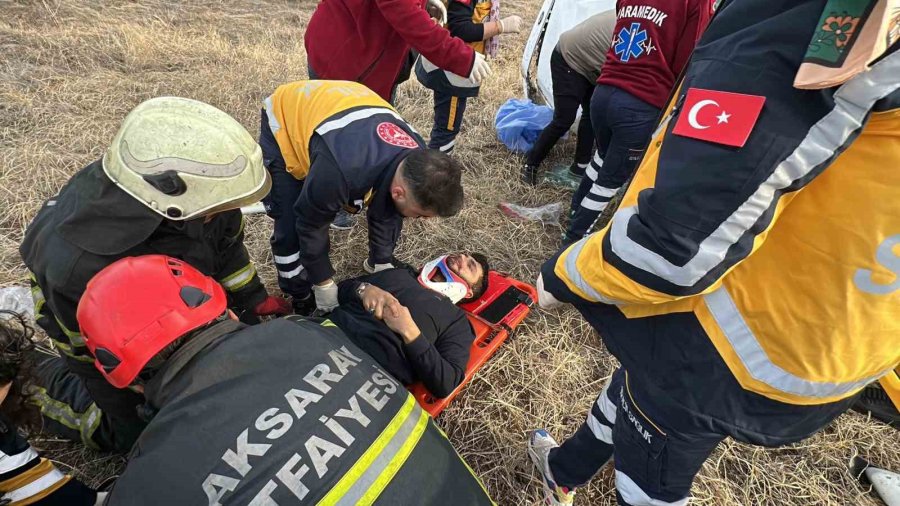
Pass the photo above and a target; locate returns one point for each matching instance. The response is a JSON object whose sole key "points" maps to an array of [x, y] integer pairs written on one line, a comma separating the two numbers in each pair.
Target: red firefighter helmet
{"points": [[137, 306]]}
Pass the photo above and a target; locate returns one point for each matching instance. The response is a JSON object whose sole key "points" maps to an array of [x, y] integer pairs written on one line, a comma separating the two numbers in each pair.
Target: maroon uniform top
{"points": [[368, 41], [652, 43]]}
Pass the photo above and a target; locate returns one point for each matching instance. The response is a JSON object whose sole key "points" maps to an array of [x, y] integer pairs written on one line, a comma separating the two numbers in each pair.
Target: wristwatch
{"points": [[361, 288]]}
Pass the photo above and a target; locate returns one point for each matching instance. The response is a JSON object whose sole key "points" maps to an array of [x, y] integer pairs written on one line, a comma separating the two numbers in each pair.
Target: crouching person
{"points": [[287, 412], [409, 322], [171, 182], [26, 477], [332, 145]]}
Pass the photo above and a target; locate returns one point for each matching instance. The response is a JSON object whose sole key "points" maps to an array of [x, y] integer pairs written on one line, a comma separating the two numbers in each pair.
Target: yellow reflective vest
{"points": [[297, 110], [785, 251]]}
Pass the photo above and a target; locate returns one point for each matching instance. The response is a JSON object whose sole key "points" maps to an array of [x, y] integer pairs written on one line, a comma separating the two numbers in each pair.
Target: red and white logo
{"points": [[718, 116], [395, 136]]}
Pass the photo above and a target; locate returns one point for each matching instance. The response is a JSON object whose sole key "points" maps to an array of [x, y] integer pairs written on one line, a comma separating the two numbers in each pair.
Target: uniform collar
{"points": [[97, 216], [156, 391]]}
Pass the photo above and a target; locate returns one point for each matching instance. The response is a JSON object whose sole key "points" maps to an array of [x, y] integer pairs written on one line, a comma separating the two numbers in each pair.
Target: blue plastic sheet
{"points": [[520, 122]]}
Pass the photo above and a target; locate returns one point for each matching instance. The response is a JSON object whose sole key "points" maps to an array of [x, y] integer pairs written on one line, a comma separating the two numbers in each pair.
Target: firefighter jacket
{"points": [[92, 223], [345, 143], [465, 20], [757, 285], [369, 41], [29, 479], [287, 412]]}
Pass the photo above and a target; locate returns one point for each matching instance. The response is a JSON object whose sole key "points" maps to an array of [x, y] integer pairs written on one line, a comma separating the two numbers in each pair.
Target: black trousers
{"points": [[570, 90], [623, 125], [292, 277], [448, 116], [655, 463]]}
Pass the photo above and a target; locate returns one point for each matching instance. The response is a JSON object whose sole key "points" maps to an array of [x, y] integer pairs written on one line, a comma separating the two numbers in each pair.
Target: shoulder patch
{"points": [[395, 136], [718, 116]]}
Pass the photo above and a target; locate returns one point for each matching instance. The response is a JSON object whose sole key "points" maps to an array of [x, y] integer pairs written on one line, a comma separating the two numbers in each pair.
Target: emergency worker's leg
{"points": [[581, 456], [631, 121], [280, 207], [656, 463], [569, 88], [584, 146], [448, 115], [76, 402], [599, 113]]}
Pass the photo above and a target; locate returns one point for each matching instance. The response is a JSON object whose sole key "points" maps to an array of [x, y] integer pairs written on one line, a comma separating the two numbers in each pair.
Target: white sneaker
{"points": [[540, 442]]}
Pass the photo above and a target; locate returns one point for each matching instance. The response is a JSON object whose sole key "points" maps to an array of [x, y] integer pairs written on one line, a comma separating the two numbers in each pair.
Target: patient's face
{"points": [[466, 267]]}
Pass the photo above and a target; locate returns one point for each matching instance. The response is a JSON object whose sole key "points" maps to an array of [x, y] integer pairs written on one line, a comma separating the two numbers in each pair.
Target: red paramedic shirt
{"points": [[652, 43]]}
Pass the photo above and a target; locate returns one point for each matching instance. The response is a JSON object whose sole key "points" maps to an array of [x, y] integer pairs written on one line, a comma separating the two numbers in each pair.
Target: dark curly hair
{"points": [[16, 367]]}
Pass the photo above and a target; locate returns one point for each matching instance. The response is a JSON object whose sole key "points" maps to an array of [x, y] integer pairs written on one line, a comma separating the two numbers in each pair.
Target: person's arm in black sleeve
{"points": [[238, 275], [324, 193], [347, 291], [459, 22], [384, 232], [441, 367]]}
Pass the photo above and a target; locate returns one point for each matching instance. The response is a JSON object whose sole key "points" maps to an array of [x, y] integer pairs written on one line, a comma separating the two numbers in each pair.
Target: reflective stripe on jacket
{"points": [[783, 250], [288, 412], [297, 109], [435, 78], [92, 223]]}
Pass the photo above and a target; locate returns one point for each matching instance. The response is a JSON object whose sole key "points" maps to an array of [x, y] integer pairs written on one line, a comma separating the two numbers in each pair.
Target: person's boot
{"points": [[577, 170], [875, 401], [529, 174]]}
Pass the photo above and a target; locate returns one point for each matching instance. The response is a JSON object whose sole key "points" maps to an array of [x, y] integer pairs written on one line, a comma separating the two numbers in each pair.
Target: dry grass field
{"points": [[70, 71]]}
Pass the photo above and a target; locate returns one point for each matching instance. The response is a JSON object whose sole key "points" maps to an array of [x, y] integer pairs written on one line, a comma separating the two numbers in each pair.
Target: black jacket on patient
{"points": [[437, 358]]}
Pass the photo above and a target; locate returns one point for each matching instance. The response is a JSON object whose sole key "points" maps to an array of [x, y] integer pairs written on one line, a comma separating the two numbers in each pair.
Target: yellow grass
{"points": [[69, 72]]}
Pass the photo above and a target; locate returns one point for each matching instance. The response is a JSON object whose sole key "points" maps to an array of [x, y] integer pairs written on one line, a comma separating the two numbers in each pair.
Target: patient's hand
{"points": [[402, 324], [378, 302]]}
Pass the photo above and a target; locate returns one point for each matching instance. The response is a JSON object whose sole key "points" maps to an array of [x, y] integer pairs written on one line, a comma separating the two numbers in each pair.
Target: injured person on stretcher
{"points": [[409, 321]]}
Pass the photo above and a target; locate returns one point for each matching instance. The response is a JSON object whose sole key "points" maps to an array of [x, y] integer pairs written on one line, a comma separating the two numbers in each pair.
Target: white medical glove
{"points": [[480, 69], [546, 299], [510, 24], [326, 296]]}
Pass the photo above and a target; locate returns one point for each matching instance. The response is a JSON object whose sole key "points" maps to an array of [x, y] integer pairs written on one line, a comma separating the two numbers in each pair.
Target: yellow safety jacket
{"points": [[296, 110], [785, 251]]}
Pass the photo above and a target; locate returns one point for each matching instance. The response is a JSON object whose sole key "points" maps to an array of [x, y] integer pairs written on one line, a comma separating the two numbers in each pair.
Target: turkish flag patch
{"points": [[395, 136], [718, 116]]}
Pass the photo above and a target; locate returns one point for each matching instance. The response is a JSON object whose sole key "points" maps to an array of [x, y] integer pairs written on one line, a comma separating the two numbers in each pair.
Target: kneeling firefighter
{"points": [[748, 282], [287, 412], [171, 182]]}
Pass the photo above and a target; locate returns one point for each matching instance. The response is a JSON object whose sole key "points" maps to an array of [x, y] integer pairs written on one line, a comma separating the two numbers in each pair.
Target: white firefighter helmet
{"points": [[452, 286], [184, 159]]}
